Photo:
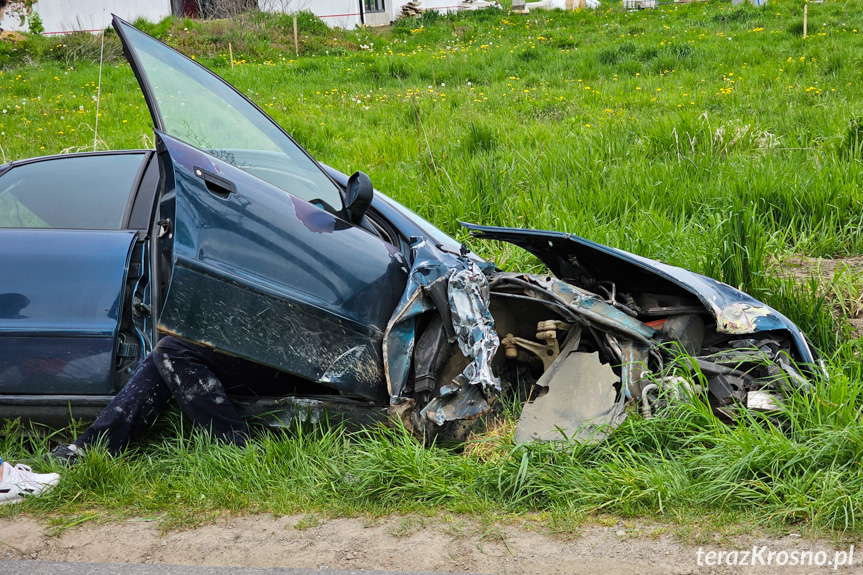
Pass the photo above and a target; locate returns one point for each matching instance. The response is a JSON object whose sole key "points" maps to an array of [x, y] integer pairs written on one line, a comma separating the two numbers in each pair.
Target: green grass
{"points": [[703, 135], [798, 470]]}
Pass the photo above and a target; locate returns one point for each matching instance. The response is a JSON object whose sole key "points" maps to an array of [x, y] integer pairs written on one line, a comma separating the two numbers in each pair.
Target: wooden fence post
{"points": [[296, 41]]}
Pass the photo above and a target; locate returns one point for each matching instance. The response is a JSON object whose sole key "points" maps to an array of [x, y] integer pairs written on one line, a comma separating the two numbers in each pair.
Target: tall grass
{"points": [[801, 465], [704, 135]]}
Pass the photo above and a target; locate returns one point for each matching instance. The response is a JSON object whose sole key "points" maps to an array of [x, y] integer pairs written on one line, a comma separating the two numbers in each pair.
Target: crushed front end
{"points": [[609, 328]]}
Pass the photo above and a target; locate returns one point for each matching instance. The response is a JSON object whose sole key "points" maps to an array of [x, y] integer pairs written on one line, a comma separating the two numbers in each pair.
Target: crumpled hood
{"points": [[569, 256]]}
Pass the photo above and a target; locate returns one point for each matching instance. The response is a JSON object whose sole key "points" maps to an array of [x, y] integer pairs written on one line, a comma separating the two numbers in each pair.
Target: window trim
{"points": [[135, 190], [26, 161], [380, 6]]}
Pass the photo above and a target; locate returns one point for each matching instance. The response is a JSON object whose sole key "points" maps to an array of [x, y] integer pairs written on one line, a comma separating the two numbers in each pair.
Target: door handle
{"points": [[217, 185]]}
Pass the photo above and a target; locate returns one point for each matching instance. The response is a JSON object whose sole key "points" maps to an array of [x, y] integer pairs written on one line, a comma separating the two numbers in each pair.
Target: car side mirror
{"points": [[358, 196]]}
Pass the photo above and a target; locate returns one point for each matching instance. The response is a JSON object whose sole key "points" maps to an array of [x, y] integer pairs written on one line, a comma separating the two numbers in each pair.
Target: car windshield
{"points": [[201, 109]]}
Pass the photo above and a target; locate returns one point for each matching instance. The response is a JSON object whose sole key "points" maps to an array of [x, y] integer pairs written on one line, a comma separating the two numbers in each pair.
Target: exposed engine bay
{"points": [[576, 351]]}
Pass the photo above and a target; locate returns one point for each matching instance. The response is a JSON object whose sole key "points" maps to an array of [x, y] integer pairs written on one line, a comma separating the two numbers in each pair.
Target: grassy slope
{"points": [[702, 135]]}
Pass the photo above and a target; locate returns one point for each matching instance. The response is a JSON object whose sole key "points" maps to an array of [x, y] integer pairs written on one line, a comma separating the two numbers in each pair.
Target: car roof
{"points": [[24, 161]]}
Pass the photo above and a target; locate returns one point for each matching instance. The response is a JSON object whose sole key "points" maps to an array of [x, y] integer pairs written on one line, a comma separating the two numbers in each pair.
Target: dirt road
{"points": [[413, 543]]}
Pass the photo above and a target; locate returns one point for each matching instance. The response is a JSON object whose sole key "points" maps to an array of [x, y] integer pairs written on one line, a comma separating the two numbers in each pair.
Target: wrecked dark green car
{"points": [[231, 235]]}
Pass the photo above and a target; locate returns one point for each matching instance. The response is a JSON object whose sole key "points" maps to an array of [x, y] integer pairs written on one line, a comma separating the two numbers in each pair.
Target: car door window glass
{"points": [[78, 192], [201, 109]]}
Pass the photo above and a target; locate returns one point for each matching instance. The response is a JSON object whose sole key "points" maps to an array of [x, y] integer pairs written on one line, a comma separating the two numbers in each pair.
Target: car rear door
{"points": [[64, 264], [264, 264]]}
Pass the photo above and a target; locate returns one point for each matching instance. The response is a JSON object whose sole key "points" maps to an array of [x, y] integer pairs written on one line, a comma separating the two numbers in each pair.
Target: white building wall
{"points": [[439, 5], [12, 17], [60, 16], [346, 13], [335, 13], [63, 16]]}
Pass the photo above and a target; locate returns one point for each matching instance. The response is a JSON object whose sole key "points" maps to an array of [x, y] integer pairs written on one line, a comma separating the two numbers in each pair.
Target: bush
{"points": [[36, 26]]}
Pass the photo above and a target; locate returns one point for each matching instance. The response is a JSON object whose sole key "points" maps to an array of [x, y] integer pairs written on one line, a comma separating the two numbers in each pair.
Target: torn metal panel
{"points": [[435, 274], [465, 403], [474, 326], [430, 265], [577, 304], [740, 317], [600, 314], [586, 307], [582, 401]]}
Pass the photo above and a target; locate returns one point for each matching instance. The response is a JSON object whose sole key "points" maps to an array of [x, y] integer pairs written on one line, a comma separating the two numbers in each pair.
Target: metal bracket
{"points": [[127, 350], [547, 352]]}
